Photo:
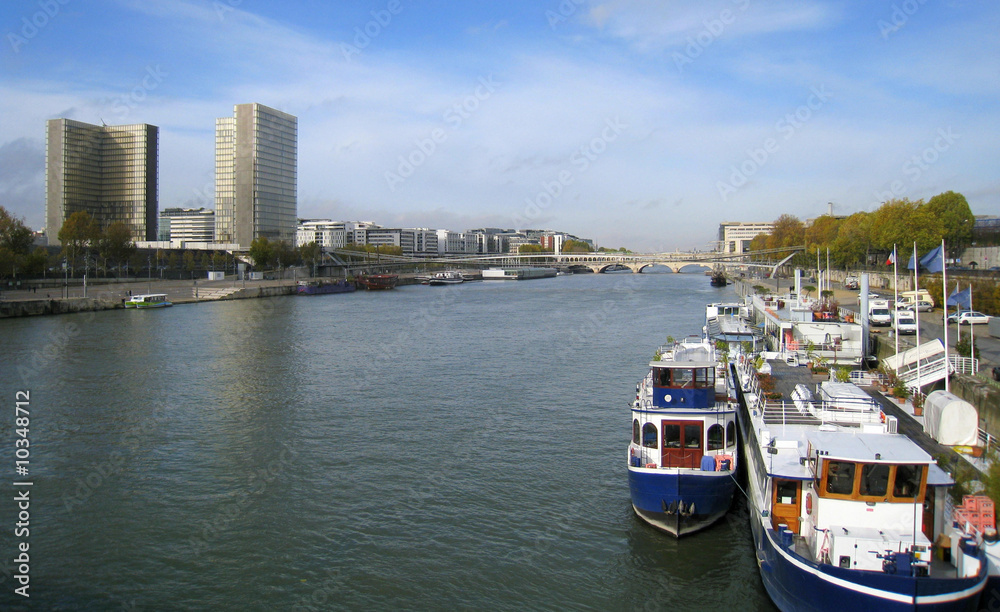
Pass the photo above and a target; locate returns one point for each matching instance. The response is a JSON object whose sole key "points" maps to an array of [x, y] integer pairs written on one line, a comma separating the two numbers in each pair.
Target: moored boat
{"points": [[683, 453], [317, 287], [447, 277], [845, 512], [377, 282], [149, 300]]}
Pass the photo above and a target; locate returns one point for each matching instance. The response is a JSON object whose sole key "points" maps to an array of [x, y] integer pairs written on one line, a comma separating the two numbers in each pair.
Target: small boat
{"points": [[377, 282], [324, 287], [518, 273], [448, 277], [683, 453], [149, 300], [718, 279]]}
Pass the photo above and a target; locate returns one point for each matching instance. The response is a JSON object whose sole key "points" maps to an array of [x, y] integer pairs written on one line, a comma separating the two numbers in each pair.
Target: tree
{"points": [[822, 233], [261, 252], [575, 246], [311, 254], [788, 231], [850, 248], [15, 236], [15, 242], [285, 254], [188, 259], [77, 232], [116, 244], [955, 220]]}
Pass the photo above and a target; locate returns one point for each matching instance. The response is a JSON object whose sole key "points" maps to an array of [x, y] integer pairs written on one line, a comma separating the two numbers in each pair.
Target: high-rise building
{"points": [[255, 175], [108, 171]]}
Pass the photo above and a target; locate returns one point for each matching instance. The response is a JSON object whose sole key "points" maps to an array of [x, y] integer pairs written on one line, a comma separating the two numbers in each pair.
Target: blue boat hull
{"points": [[664, 498], [795, 583]]}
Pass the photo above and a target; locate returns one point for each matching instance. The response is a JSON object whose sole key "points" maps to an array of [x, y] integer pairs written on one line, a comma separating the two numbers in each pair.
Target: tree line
{"points": [[865, 239]]}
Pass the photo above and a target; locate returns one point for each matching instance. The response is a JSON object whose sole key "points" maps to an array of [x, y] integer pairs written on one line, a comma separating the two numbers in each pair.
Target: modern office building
{"points": [[255, 175], [188, 224], [108, 171], [735, 236]]}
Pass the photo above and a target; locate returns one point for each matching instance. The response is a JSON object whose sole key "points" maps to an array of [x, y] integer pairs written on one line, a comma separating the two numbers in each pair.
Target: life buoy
{"points": [[881, 416], [809, 503]]}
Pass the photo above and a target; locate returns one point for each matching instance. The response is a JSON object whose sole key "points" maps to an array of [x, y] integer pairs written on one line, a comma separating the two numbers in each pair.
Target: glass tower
{"points": [[108, 171], [255, 175]]}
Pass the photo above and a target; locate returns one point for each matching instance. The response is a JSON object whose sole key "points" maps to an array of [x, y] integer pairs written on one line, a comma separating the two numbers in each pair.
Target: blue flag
{"points": [[933, 261], [962, 299], [911, 265]]}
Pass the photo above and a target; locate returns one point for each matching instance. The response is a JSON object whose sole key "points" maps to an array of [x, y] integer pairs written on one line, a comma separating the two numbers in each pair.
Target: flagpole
{"points": [[916, 311], [972, 328], [895, 301], [944, 290]]}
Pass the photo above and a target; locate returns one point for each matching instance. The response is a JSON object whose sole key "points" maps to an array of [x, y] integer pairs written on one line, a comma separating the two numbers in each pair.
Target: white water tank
{"points": [[951, 420]]}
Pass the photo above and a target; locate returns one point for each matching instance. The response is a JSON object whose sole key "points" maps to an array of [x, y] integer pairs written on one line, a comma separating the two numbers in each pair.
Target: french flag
{"points": [[891, 260]]}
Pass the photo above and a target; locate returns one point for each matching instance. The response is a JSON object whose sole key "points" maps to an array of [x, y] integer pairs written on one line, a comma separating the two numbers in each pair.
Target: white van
{"points": [[905, 323], [879, 315]]}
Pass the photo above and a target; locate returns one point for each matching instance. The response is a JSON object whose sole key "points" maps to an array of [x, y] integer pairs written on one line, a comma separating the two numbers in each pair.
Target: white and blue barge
{"points": [[845, 512], [683, 455]]}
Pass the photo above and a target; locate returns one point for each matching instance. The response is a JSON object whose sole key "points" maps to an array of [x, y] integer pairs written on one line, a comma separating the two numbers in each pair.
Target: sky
{"points": [[634, 123]]}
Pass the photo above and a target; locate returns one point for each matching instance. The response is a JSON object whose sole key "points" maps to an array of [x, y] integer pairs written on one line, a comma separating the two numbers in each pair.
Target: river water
{"points": [[428, 448]]}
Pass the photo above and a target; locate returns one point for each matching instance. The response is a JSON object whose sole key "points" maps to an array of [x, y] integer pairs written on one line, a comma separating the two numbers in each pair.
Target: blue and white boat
{"points": [[683, 453], [847, 514]]}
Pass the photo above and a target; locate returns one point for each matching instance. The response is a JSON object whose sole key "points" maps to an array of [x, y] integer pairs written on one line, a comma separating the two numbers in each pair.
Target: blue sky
{"points": [[636, 123]]}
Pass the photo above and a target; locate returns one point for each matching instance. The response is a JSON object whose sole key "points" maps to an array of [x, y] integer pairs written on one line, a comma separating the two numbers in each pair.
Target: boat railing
{"points": [[801, 412]]}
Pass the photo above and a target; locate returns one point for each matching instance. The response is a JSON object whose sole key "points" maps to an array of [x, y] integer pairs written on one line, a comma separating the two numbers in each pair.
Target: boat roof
{"points": [[731, 328], [890, 448], [687, 356], [149, 295]]}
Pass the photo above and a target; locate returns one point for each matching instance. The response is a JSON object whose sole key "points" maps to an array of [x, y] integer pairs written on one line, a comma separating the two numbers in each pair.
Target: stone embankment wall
{"points": [[27, 308]]}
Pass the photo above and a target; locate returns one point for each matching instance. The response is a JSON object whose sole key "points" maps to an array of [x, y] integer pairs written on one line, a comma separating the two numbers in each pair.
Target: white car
{"points": [[906, 324], [969, 317]]}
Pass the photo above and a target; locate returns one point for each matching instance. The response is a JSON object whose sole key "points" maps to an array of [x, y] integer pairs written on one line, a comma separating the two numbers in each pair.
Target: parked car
{"points": [[851, 282], [969, 317], [922, 306]]}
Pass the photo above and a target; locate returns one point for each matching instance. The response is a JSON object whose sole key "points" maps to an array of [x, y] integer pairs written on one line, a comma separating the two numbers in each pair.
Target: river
{"points": [[427, 448]]}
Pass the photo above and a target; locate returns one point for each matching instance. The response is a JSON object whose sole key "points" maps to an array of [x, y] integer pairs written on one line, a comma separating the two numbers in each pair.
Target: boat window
{"points": [[671, 436], [635, 431], [704, 378], [715, 437], [649, 435], [907, 483], [787, 491], [730, 435], [683, 379], [840, 477], [663, 377], [692, 436], [874, 480]]}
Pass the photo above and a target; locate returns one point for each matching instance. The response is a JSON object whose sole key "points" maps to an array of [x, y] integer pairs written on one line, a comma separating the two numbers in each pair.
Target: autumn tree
{"points": [[15, 243], [116, 244], [954, 220], [261, 252], [78, 232]]}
